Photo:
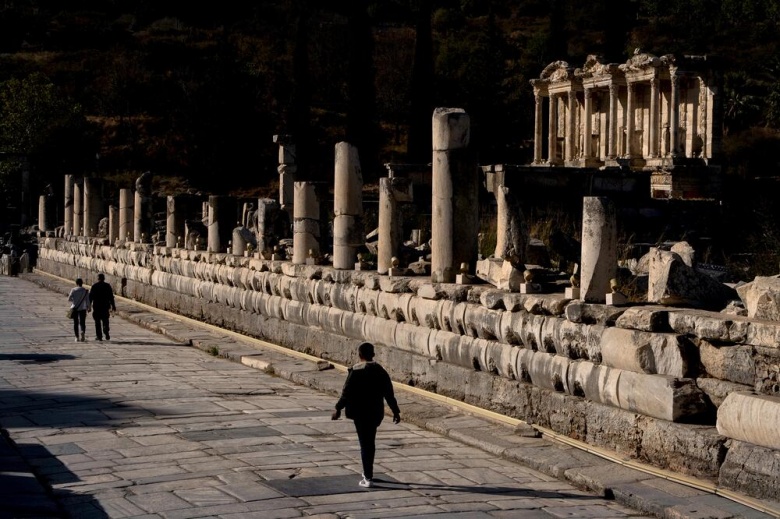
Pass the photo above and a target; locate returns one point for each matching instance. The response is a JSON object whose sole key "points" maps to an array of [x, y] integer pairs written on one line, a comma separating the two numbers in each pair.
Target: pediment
{"points": [[557, 71], [594, 66], [641, 61]]}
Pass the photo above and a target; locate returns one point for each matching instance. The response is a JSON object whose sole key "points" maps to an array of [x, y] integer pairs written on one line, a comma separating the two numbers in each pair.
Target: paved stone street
{"points": [[144, 427]]}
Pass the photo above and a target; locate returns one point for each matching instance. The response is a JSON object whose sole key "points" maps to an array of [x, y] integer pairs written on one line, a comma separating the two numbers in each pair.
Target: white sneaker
{"points": [[77, 339], [366, 483]]}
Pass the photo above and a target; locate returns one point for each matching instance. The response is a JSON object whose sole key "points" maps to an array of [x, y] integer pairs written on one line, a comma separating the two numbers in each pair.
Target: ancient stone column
{"points": [[306, 222], [78, 211], [613, 121], [392, 191], [455, 211], [270, 226], [512, 235], [587, 130], [552, 130], [143, 220], [599, 248], [287, 169], [629, 120], [43, 213], [348, 233], [674, 116], [93, 206], [174, 223], [570, 125], [113, 224], [222, 221], [68, 218], [537, 128], [126, 214], [655, 116]]}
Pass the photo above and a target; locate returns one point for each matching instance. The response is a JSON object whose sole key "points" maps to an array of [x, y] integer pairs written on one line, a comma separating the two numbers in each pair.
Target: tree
{"points": [[42, 133]]}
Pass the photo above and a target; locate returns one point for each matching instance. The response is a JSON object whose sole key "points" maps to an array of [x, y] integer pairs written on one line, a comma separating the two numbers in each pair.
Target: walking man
{"points": [[79, 304], [367, 387], [102, 297]]}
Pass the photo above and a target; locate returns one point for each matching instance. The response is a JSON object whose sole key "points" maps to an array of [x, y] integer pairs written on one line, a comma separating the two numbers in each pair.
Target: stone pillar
{"points": [[674, 115], [630, 120], [552, 130], [78, 209], [126, 214], [655, 117], [222, 221], [599, 248], [306, 222], [512, 235], [143, 220], [348, 235], [455, 212], [113, 224], [266, 232], [392, 191], [43, 214], [93, 206], [570, 125], [68, 218], [287, 169], [587, 130], [538, 128], [692, 122], [613, 121], [238, 241], [174, 223]]}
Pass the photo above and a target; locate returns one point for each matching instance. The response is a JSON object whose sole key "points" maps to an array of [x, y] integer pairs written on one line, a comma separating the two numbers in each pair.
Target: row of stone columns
{"points": [[85, 208]]}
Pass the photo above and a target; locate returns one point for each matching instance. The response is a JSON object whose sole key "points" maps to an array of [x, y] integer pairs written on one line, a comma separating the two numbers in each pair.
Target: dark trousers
{"points": [[101, 323], [366, 432], [79, 317]]}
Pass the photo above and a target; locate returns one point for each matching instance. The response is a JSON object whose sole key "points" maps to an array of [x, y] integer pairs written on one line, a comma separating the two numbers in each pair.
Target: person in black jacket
{"points": [[102, 298], [367, 387]]}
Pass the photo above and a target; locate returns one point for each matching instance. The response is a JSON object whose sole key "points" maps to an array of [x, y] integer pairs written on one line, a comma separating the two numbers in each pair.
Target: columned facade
{"points": [[646, 113]]}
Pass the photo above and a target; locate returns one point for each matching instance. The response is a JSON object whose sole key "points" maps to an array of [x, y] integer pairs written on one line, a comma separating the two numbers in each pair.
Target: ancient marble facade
{"points": [[647, 113]]}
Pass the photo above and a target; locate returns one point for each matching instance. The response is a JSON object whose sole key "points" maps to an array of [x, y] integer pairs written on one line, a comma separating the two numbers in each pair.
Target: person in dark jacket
{"points": [[102, 298], [367, 387]]}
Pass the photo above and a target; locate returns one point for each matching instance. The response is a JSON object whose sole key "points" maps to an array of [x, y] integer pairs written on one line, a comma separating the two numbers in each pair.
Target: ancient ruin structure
{"points": [[684, 381], [655, 114]]}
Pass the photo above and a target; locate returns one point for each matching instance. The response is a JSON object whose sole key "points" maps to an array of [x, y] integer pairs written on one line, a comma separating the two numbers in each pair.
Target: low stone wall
{"points": [[645, 381]]}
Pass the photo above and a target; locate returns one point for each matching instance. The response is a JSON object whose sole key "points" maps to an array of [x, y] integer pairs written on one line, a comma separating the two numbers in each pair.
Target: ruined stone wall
{"points": [[645, 381]]}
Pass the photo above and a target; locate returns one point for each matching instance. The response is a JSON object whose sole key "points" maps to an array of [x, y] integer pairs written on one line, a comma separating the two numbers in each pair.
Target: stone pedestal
{"points": [[348, 235], [392, 191], [306, 222], [455, 196], [616, 299], [78, 209], [572, 293], [126, 214], [68, 218], [222, 221], [599, 248]]}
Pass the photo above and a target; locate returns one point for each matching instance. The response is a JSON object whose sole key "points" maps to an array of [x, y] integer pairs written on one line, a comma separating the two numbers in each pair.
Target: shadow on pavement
{"points": [[387, 484], [33, 358], [28, 471]]}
